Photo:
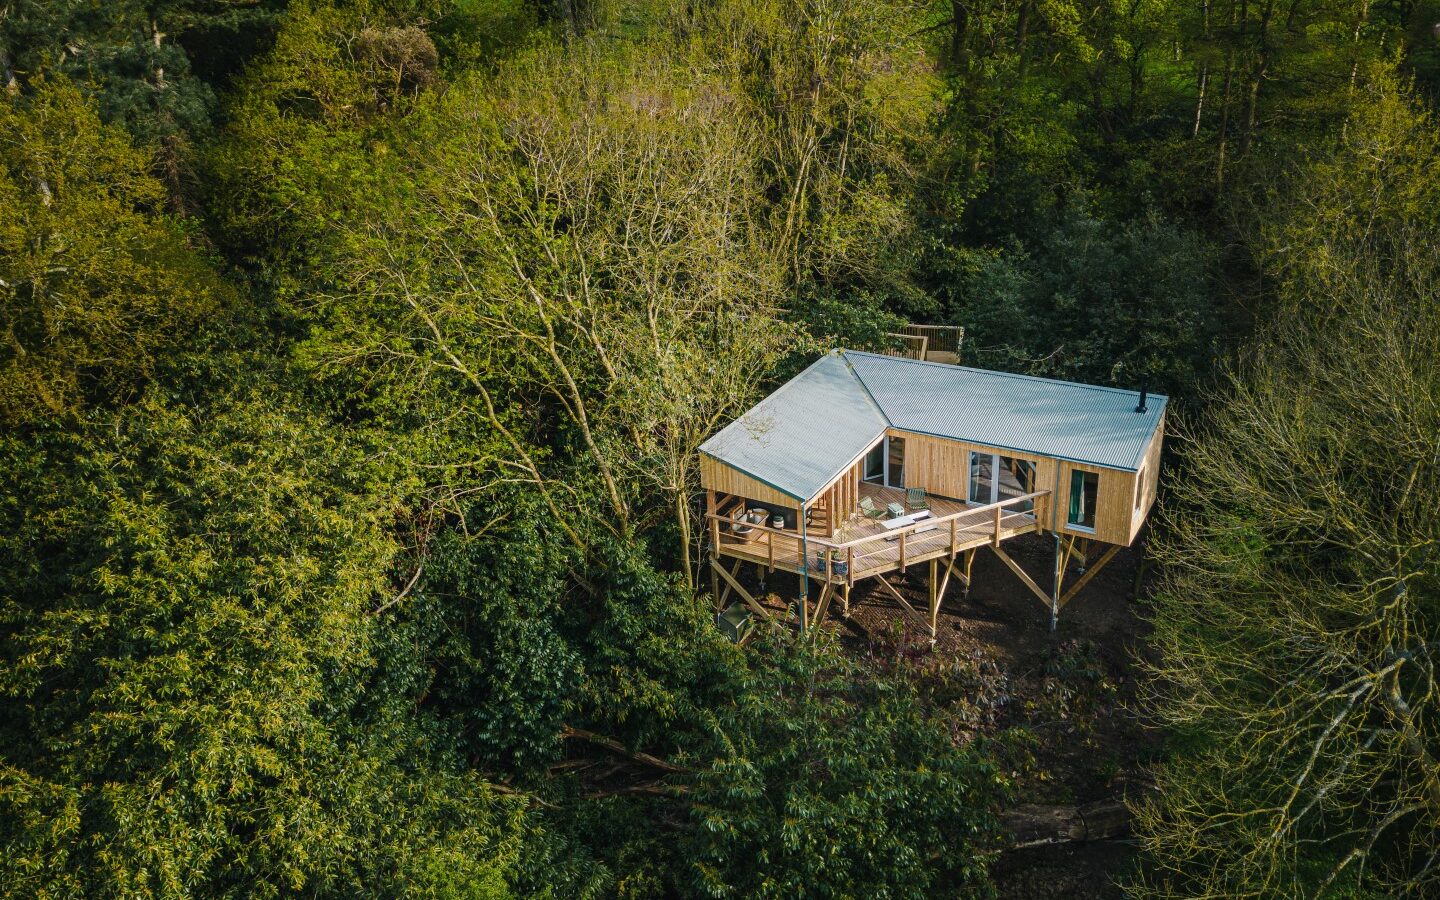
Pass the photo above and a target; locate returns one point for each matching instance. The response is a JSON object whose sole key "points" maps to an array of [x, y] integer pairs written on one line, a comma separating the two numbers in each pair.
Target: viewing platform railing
{"points": [[833, 560]]}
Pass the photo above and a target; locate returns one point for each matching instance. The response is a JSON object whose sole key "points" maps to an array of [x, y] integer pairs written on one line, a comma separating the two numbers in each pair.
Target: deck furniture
{"points": [[871, 511], [915, 498], [902, 521], [896, 510]]}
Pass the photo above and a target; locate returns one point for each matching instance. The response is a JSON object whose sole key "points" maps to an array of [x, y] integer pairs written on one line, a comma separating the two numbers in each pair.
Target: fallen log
{"points": [[1036, 825]]}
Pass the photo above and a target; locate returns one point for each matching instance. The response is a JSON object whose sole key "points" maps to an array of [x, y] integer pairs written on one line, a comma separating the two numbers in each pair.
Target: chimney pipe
{"points": [[1144, 391]]}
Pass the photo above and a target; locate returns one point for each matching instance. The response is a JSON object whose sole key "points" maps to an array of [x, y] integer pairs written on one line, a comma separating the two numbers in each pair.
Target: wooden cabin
{"points": [[866, 464]]}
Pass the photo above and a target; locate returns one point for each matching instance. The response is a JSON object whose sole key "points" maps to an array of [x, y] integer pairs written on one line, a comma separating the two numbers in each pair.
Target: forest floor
{"points": [[998, 670]]}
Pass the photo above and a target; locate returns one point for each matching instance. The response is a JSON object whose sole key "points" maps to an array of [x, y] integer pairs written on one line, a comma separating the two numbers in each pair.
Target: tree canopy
{"points": [[355, 356]]}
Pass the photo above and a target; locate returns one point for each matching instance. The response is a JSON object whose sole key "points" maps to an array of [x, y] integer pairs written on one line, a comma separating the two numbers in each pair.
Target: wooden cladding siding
{"points": [[716, 476], [1114, 501], [841, 498], [1149, 481], [942, 466]]}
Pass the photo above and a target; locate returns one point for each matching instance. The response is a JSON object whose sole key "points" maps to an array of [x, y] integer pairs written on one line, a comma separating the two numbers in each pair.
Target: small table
{"points": [[902, 521]]}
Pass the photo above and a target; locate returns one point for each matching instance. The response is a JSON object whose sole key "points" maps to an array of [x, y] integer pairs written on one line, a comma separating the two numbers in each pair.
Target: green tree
{"points": [[1092, 300], [189, 626], [97, 284], [1297, 627], [835, 782]]}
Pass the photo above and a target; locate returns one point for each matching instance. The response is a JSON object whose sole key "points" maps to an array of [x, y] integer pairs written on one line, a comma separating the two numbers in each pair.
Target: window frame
{"points": [[1094, 511]]}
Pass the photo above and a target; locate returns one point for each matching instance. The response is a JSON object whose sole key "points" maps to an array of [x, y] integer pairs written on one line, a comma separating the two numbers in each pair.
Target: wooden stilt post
{"points": [[969, 561], [714, 584], [804, 571], [822, 605], [934, 601], [1055, 586], [1093, 571], [1141, 562], [732, 584]]}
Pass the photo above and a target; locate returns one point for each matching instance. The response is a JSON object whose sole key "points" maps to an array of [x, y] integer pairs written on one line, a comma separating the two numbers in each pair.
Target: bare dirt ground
{"points": [[999, 670]]}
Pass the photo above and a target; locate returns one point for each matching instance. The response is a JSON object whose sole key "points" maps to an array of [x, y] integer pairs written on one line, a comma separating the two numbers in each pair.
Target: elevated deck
{"points": [[863, 547]]}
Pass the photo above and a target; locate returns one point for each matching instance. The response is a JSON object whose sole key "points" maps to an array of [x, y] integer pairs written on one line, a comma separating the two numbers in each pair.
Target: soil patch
{"points": [[1071, 691]]}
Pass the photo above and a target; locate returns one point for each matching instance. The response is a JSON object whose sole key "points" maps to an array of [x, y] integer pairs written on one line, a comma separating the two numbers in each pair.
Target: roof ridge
{"points": [[953, 366], [850, 367]]}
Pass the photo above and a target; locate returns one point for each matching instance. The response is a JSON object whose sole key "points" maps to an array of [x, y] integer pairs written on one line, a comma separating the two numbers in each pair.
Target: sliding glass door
{"points": [[885, 463], [994, 477]]}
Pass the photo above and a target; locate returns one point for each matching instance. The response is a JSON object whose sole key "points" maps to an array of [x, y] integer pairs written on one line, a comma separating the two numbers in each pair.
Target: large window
{"points": [[982, 477], [1084, 487], [994, 478]]}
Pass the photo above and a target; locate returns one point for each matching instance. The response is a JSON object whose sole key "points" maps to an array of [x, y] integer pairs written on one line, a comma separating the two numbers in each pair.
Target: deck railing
{"points": [[955, 529], [909, 346], [938, 338]]}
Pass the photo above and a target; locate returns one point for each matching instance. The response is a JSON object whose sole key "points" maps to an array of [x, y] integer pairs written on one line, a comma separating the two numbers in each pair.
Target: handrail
{"points": [[995, 508], [940, 520]]}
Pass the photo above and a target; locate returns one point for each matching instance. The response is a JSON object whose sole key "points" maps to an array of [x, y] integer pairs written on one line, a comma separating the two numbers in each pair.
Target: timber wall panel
{"points": [[1114, 502], [1150, 465], [942, 466], [717, 476]]}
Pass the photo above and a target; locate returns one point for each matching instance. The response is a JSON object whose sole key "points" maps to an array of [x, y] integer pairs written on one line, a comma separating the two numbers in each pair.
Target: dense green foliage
{"points": [[354, 355], [1299, 623], [97, 284]]}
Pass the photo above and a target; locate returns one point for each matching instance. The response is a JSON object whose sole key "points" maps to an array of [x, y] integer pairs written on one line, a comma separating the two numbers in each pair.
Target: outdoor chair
{"points": [[915, 498], [871, 511]]}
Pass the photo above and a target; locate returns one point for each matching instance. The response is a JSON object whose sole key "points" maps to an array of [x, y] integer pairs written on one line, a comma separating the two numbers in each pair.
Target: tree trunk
{"points": [[682, 521], [1022, 31], [1037, 825], [960, 37], [1224, 120], [7, 75], [1257, 74]]}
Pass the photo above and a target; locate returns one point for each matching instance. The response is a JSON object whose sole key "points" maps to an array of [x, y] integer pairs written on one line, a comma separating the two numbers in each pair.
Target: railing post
{"points": [[849, 569], [770, 545], [952, 538], [902, 550], [997, 525]]}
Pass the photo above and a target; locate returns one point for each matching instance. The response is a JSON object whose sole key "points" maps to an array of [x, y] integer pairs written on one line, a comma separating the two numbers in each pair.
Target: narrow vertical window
{"points": [[875, 464], [895, 473], [982, 477], [1084, 486]]}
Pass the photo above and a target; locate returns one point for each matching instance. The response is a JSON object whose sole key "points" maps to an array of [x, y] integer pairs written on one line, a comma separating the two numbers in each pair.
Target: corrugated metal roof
{"points": [[799, 438], [1079, 422]]}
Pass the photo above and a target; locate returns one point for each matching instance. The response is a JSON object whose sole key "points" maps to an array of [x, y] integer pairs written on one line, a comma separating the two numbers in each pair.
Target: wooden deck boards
{"points": [[879, 555]]}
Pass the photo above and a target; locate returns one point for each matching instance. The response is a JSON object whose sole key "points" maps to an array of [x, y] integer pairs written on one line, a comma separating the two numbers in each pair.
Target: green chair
{"points": [[871, 511], [915, 498]]}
